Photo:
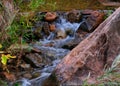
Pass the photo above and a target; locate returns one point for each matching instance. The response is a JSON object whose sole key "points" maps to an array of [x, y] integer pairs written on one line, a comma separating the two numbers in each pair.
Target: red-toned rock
{"points": [[95, 19], [52, 27], [50, 16], [87, 12], [9, 76], [92, 19]]}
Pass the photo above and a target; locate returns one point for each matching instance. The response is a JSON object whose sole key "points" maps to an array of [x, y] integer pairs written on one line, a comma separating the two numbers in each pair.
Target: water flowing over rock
{"points": [[52, 53], [93, 54], [56, 37]]}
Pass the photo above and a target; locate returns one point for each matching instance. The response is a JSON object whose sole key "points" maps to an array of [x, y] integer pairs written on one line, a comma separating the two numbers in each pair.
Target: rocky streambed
{"points": [[57, 33]]}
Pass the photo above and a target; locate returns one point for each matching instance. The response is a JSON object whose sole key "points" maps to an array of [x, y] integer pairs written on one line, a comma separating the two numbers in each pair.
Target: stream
{"points": [[67, 32]]}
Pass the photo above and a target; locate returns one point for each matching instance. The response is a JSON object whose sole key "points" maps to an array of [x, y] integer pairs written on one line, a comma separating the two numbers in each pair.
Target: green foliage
{"points": [[17, 84], [4, 59], [111, 76], [13, 32], [19, 28], [36, 3], [2, 83], [1, 7], [109, 12]]}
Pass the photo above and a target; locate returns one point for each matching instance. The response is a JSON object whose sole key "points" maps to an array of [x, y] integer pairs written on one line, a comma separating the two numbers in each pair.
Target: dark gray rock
{"points": [[74, 16], [51, 52], [35, 60]]}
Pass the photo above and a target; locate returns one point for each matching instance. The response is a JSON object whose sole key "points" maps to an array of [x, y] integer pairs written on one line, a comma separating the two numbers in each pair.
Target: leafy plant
{"points": [[19, 28], [4, 59], [17, 84], [111, 76], [108, 13], [3, 83]]}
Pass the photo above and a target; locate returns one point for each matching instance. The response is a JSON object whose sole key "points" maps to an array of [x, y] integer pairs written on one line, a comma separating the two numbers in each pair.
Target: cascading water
{"points": [[64, 26]]}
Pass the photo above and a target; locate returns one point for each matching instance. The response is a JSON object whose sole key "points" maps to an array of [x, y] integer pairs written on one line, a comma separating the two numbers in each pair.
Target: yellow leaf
{"points": [[13, 57], [9, 56], [4, 59], [0, 46]]}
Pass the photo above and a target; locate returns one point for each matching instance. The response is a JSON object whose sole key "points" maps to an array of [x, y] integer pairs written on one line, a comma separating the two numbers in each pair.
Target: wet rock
{"points": [[52, 35], [61, 34], [74, 16], [73, 42], [46, 28], [52, 53], [37, 33], [50, 68], [16, 48], [70, 44], [69, 32], [36, 74], [41, 30], [52, 27], [84, 26], [27, 75], [91, 20], [40, 80], [50, 16], [82, 34], [66, 43], [34, 59], [25, 66]]}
